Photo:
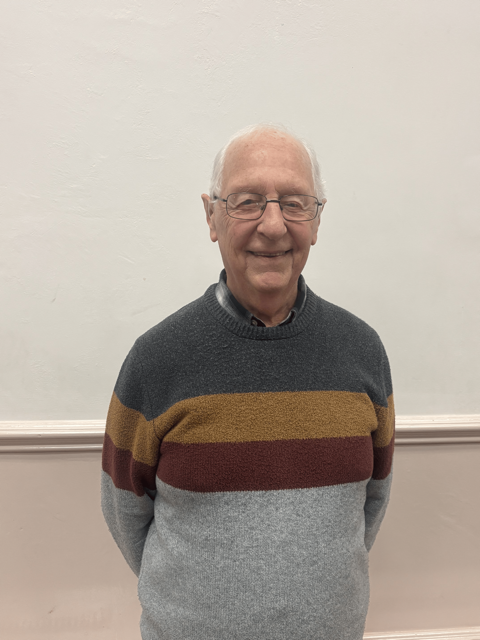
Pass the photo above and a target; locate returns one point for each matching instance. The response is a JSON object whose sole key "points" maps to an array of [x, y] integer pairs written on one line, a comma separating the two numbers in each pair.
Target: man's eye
{"points": [[247, 203]]}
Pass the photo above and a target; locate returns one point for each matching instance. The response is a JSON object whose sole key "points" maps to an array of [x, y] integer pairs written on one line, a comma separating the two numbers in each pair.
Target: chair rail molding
{"points": [[463, 633], [37, 436], [87, 435]]}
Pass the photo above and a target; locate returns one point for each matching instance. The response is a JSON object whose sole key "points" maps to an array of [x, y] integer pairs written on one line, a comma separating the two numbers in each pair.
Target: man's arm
{"points": [[378, 494], [383, 440], [129, 460]]}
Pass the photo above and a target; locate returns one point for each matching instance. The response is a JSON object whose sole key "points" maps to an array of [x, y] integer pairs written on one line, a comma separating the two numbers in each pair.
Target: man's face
{"points": [[272, 164]]}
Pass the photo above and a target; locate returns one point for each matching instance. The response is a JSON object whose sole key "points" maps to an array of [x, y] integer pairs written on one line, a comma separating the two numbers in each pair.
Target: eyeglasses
{"points": [[250, 206]]}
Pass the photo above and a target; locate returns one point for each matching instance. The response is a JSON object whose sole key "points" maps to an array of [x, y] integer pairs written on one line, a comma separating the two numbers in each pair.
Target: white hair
{"points": [[219, 162]]}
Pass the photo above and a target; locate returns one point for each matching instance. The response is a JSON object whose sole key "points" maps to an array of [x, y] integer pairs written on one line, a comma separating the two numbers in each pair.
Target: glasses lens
{"points": [[299, 207], [245, 205]]}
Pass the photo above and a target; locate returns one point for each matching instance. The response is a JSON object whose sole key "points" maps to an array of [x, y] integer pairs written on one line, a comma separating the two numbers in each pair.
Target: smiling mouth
{"points": [[269, 255]]}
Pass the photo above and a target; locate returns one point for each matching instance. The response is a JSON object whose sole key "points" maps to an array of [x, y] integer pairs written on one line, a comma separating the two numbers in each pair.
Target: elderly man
{"points": [[247, 460]]}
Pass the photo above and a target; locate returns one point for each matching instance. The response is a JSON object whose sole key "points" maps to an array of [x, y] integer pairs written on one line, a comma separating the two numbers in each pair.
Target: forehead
{"points": [[266, 158]]}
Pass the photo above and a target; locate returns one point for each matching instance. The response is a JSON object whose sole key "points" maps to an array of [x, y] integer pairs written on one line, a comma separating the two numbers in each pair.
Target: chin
{"points": [[271, 280]]}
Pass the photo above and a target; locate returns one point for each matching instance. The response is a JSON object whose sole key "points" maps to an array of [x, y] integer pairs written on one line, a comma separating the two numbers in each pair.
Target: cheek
{"points": [[302, 239], [239, 237]]}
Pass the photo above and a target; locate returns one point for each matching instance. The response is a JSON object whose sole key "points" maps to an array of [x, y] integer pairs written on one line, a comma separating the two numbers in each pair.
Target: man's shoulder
{"points": [[344, 323], [177, 331], [175, 327]]}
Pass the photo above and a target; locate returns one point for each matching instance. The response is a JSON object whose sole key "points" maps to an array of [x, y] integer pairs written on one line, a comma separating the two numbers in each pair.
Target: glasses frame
{"points": [[319, 204]]}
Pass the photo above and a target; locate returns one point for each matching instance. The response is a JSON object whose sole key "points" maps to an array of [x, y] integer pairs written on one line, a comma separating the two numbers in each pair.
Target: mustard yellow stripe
{"points": [[247, 417], [129, 430], [386, 424]]}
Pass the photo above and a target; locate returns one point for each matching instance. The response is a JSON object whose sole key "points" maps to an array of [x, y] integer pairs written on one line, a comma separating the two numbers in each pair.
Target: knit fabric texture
{"points": [[246, 471]]}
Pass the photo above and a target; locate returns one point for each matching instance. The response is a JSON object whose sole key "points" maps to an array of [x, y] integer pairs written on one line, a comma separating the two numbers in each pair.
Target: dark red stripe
{"points": [[383, 457], [124, 470], [263, 466]]}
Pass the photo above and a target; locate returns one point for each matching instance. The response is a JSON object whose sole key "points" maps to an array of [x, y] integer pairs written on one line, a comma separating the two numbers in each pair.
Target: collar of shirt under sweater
{"points": [[228, 301]]}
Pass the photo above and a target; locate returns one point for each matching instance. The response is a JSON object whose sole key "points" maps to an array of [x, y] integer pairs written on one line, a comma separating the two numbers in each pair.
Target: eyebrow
{"points": [[255, 189]]}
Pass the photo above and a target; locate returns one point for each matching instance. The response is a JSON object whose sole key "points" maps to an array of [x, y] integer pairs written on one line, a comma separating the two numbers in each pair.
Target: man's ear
{"points": [[208, 206], [317, 222]]}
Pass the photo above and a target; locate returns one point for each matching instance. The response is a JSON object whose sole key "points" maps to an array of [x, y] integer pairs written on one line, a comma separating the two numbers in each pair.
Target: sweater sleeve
{"points": [[383, 439], [129, 461]]}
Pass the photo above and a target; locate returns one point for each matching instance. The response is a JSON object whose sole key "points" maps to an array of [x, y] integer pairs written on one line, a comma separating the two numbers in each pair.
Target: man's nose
{"points": [[272, 207], [272, 216]]}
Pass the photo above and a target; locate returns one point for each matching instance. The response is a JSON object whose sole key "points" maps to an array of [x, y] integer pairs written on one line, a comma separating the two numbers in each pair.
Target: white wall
{"points": [[111, 115]]}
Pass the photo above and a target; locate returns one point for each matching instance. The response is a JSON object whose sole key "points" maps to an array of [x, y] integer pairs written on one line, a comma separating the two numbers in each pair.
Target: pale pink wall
{"points": [[62, 576]]}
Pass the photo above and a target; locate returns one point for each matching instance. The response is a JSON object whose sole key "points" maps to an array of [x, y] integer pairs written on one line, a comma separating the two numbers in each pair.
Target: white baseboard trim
{"points": [[463, 633], [87, 435]]}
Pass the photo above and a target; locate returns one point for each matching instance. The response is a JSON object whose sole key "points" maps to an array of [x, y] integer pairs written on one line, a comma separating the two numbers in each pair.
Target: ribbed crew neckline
{"points": [[243, 330]]}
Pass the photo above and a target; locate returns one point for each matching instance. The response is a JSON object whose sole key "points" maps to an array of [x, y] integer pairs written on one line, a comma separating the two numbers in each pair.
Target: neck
{"points": [[270, 307]]}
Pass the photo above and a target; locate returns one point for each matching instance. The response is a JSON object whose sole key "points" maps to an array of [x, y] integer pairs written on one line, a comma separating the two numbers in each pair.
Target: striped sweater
{"points": [[246, 471]]}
